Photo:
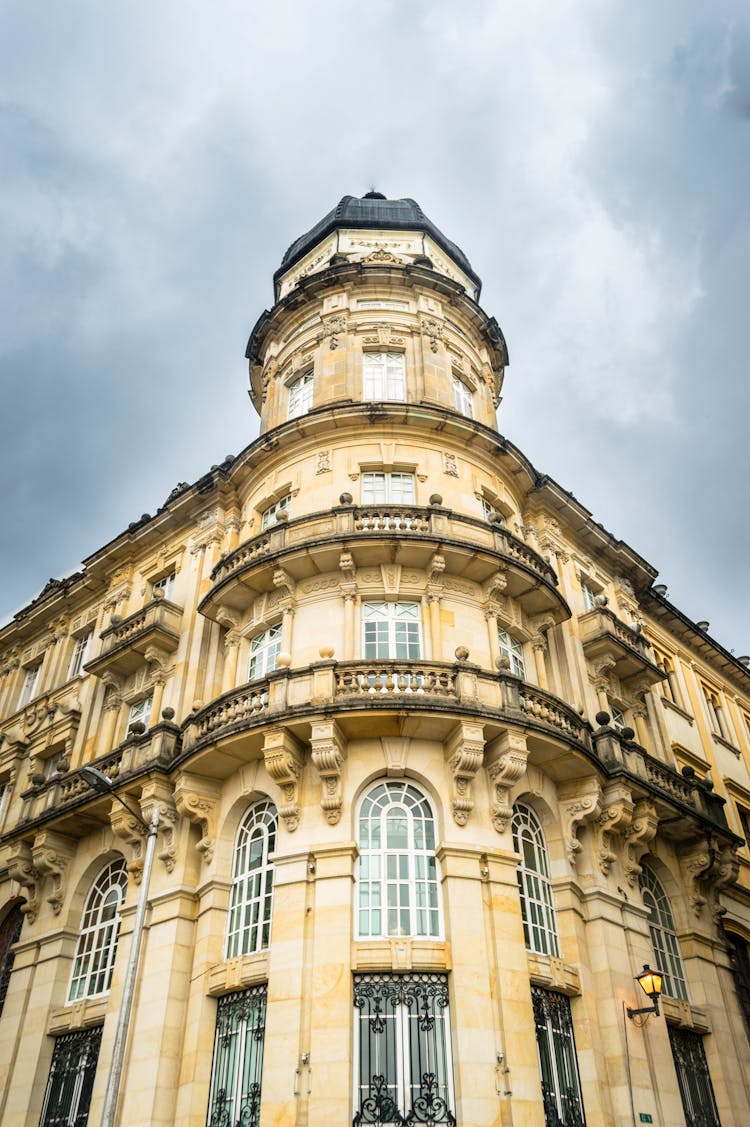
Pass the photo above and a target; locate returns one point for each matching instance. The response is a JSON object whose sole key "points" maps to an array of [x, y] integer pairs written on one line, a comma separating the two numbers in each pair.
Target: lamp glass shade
{"points": [[650, 981]]}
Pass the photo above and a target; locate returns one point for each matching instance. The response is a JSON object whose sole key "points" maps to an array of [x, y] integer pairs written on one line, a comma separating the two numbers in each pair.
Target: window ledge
{"points": [[83, 1014], [553, 974], [678, 709], [725, 743], [684, 1014], [237, 973], [401, 954]]}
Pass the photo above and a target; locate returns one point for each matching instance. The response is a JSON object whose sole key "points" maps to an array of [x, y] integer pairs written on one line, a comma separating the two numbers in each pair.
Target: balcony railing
{"points": [[125, 644], [605, 635]]}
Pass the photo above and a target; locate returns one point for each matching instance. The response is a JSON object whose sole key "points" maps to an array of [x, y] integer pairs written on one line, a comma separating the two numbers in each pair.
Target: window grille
{"points": [[463, 398], [739, 957], [398, 877], [71, 1079], [264, 649], [392, 630], [404, 1072], [384, 376], [10, 933], [100, 927], [30, 680], [164, 586], [249, 923], [300, 395], [80, 654], [238, 1059], [537, 901], [269, 516], [663, 935], [558, 1063], [388, 489], [511, 648], [693, 1077]]}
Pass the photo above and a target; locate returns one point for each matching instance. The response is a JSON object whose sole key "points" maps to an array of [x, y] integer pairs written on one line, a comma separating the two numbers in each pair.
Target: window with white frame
{"points": [[618, 720], [164, 586], [30, 683], [100, 926], [463, 398], [383, 376], [67, 1097], [388, 488], [589, 595], [140, 711], [716, 717], [249, 923], [264, 649], [300, 395], [537, 901], [391, 630], [402, 1045], [511, 648], [269, 516], [489, 510], [664, 940], [237, 1067], [80, 654], [398, 889], [558, 1060]]}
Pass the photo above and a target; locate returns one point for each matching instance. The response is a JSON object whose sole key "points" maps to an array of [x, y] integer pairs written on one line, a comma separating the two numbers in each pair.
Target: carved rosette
{"points": [[328, 752], [615, 818], [464, 751], [580, 803], [505, 763], [50, 854], [196, 799], [638, 839], [284, 762]]}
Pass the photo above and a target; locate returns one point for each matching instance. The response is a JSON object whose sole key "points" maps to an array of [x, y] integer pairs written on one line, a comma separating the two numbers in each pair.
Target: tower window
{"points": [[511, 648], [388, 489], [384, 376], [269, 516], [463, 398], [300, 395], [264, 649]]}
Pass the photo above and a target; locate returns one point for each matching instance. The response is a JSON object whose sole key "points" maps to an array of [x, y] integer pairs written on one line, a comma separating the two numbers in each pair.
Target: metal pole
{"points": [[131, 975]]}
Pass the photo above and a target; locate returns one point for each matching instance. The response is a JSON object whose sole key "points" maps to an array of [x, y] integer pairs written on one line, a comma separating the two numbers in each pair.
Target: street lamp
{"points": [[650, 982], [99, 782]]}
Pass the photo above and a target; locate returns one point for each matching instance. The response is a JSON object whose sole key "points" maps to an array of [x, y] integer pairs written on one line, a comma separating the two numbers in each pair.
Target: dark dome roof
{"points": [[374, 210]]}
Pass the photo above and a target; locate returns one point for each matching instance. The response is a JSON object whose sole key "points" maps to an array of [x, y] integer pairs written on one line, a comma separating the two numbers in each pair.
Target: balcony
{"points": [[126, 645], [606, 637], [48, 724], [400, 534]]}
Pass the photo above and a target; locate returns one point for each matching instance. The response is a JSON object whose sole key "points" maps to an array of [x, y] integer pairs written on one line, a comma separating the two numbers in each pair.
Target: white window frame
{"points": [[463, 397], [589, 596], [512, 648], [388, 628], [381, 487], [538, 912], [94, 960], [165, 586], [489, 510], [384, 377], [300, 395], [140, 711], [251, 896], [398, 876], [80, 654], [268, 516], [664, 941], [264, 649], [30, 683], [617, 719]]}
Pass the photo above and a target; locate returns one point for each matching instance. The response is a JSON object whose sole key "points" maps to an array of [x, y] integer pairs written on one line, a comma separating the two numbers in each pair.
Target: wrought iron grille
{"points": [[694, 1078], [238, 1059], [71, 1079], [558, 1063], [404, 1071], [10, 933]]}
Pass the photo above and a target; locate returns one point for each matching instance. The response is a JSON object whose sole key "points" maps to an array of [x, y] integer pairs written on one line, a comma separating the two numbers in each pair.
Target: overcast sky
{"points": [[592, 160]]}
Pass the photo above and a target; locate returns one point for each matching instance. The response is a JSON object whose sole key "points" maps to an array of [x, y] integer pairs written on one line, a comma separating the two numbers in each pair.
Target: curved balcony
{"points": [[155, 628], [402, 534]]}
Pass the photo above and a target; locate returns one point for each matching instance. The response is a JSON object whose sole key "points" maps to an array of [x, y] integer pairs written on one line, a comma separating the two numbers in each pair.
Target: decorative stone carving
{"points": [[725, 872], [615, 818], [638, 838], [21, 868], [127, 827], [335, 326], [196, 799], [284, 761], [450, 466], [435, 569], [328, 752], [505, 763], [433, 329], [160, 793], [50, 855], [382, 257], [696, 863], [580, 802], [324, 461], [464, 751]]}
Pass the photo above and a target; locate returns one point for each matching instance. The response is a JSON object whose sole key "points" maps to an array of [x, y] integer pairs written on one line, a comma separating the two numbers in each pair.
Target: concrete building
{"points": [[438, 767]]}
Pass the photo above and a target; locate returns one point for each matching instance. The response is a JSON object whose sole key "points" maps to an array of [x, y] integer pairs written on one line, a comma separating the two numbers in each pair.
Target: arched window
{"points": [[398, 879], [100, 927], [537, 901], [663, 935], [10, 933], [249, 925]]}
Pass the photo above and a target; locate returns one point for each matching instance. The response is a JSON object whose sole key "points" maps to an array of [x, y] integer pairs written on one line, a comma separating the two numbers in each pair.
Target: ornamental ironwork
{"points": [[238, 1059], [696, 1090], [71, 1079], [558, 1063]]}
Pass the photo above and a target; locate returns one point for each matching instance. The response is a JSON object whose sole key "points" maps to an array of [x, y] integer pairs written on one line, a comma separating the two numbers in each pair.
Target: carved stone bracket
{"points": [[129, 829], [50, 854], [615, 818], [21, 868], [505, 763], [433, 330], [726, 869], [160, 793], [464, 751], [285, 585], [328, 752], [284, 761], [580, 802], [196, 799], [696, 863], [638, 838]]}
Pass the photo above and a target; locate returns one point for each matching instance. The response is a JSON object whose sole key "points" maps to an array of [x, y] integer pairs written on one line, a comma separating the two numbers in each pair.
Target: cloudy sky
{"points": [[592, 160]]}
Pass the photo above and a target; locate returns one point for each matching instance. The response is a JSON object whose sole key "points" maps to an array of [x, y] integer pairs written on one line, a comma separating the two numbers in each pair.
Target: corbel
{"points": [[328, 752], [615, 818], [21, 868], [160, 793], [725, 872], [696, 864], [284, 760], [638, 838], [348, 571], [431, 328], [50, 854], [435, 569], [130, 830], [464, 751], [495, 586], [505, 763], [285, 585], [580, 803], [196, 798]]}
